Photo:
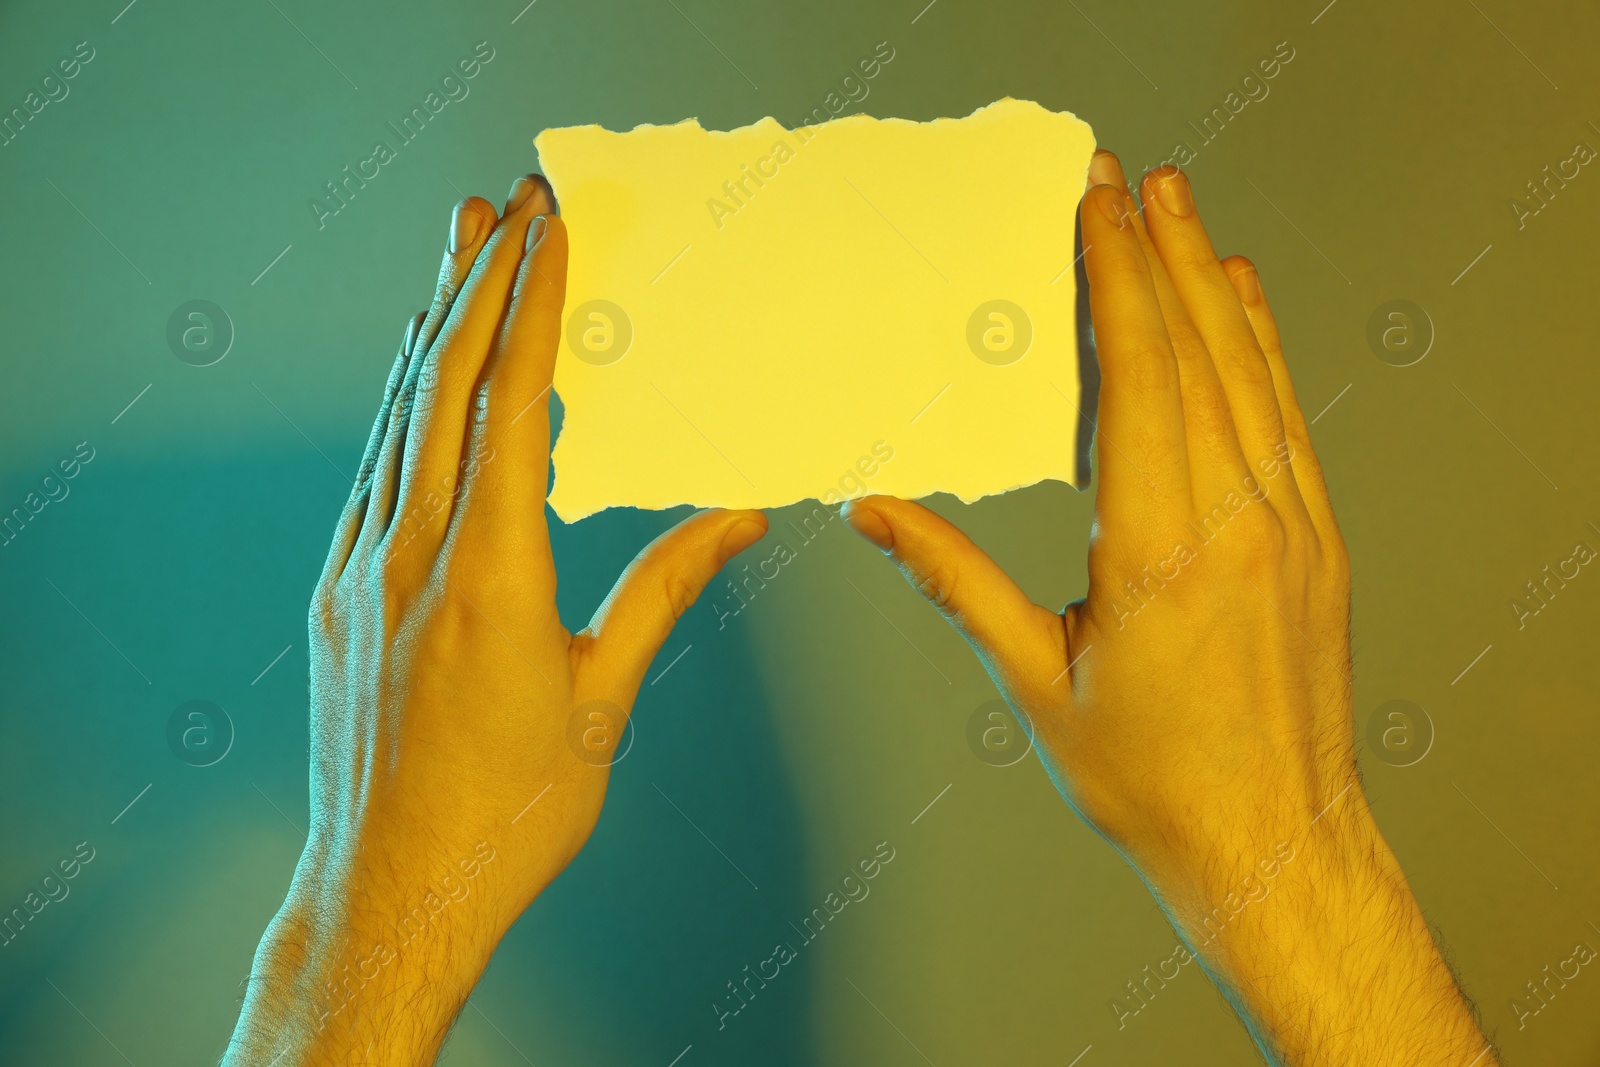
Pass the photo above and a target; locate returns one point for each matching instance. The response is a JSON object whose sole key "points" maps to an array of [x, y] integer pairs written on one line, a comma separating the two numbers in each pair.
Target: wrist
{"points": [[1325, 952], [360, 959], [1332, 902]]}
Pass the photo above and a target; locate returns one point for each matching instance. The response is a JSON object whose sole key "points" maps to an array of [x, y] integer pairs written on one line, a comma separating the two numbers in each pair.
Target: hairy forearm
{"points": [[1334, 962], [355, 971]]}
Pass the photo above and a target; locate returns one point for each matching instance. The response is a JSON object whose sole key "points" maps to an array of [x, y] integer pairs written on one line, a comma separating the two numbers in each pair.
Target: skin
{"points": [[457, 761], [1199, 720], [1195, 707]]}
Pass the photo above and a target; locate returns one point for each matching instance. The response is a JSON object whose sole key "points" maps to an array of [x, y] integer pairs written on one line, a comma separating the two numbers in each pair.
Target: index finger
{"points": [[1143, 455], [511, 410]]}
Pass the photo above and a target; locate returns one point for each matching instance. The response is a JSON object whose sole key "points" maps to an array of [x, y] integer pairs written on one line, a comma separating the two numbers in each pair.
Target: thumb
{"points": [[660, 584], [970, 590]]}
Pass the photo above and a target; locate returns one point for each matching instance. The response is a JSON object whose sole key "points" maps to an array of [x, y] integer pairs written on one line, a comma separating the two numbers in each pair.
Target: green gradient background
{"points": [[809, 729]]}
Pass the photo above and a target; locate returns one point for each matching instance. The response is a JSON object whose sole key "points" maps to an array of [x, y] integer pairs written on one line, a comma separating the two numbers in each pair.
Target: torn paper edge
{"points": [[1088, 354]]}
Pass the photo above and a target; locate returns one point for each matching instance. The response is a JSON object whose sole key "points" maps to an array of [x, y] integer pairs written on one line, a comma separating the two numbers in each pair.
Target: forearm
{"points": [[357, 973], [1334, 962]]}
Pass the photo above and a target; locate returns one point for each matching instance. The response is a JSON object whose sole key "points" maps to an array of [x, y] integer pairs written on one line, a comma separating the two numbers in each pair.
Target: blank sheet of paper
{"points": [[766, 315]]}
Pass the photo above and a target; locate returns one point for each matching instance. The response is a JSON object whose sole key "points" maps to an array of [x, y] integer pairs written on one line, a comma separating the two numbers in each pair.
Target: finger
{"points": [[448, 376], [628, 629], [1006, 629], [470, 225], [1216, 463], [355, 509], [1103, 170], [1246, 281], [1207, 293], [513, 412], [1146, 465]]}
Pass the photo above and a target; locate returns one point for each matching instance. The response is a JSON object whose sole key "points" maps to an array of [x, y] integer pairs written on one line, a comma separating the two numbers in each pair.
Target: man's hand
{"points": [[460, 736], [1195, 707]]}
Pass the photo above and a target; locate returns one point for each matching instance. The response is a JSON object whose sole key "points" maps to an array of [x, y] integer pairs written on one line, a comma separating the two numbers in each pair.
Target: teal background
{"points": [[1383, 161]]}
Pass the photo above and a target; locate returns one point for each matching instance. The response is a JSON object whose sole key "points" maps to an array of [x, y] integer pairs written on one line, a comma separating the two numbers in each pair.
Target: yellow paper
{"points": [[763, 316]]}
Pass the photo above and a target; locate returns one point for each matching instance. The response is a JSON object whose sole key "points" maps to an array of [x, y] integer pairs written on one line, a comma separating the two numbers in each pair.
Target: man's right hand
{"points": [[1195, 707]]}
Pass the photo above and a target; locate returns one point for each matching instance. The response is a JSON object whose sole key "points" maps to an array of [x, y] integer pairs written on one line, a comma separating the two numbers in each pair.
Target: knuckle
{"points": [[1246, 365], [449, 288], [1192, 257], [680, 594], [321, 613], [939, 584], [332, 602], [1149, 365], [362, 487], [427, 379], [1186, 340], [1263, 537], [1125, 256], [400, 407], [1212, 415], [1249, 533]]}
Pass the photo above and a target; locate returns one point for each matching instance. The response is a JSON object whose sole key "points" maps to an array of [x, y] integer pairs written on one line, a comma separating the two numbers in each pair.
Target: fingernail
{"points": [[1174, 193], [411, 331], [521, 189], [524, 188], [1248, 284], [465, 226], [740, 536], [536, 231], [868, 524], [1112, 204], [1104, 170]]}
